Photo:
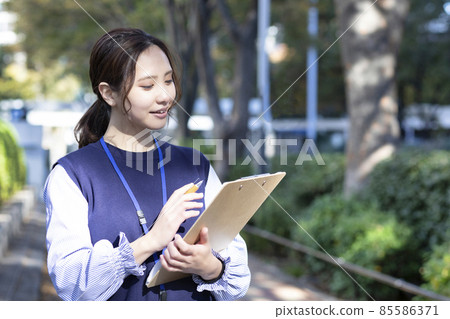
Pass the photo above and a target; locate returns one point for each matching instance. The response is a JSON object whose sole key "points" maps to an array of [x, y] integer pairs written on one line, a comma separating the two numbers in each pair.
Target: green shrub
{"points": [[360, 233], [436, 270], [415, 186], [392, 226], [12, 167], [301, 185]]}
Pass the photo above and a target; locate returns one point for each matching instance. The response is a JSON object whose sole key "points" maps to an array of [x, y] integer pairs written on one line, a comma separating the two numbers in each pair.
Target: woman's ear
{"points": [[107, 93]]}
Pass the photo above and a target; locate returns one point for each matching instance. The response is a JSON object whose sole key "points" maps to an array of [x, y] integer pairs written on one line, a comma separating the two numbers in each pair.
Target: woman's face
{"points": [[152, 93]]}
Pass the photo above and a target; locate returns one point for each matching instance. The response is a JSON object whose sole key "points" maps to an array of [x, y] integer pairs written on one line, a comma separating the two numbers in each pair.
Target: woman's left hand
{"points": [[193, 259]]}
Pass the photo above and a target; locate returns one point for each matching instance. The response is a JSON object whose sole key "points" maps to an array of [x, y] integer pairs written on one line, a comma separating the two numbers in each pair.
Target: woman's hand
{"points": [[193, 259], [178, 208]]}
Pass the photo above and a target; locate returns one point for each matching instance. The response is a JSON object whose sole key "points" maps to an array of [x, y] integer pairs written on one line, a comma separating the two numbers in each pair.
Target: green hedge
{"points": [[12, 166], [396, 225], [358, 232], [436, 270], [301, 185], [415, 185]]}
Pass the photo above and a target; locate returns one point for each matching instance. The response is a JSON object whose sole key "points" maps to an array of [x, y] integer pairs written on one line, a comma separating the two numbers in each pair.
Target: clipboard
{"points": [[230, 210]]}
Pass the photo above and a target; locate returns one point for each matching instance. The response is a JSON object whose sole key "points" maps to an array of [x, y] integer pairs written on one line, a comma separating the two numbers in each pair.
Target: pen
{"points": [[194, 188]]}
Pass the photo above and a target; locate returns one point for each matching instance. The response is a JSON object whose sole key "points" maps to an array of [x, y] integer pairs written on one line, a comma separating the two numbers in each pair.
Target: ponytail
{"points": [[93, 124]]}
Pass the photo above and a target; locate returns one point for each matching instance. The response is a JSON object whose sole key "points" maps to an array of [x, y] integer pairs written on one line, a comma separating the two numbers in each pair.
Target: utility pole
{"points": [[263, 80], [312, 71]]}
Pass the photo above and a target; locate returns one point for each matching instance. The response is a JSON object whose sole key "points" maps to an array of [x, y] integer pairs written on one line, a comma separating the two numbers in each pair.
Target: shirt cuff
{"points": [[219, 284], [124, 260]]}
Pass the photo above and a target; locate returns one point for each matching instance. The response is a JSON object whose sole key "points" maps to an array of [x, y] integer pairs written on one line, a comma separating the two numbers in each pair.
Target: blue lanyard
{"points": [[139, 211]]}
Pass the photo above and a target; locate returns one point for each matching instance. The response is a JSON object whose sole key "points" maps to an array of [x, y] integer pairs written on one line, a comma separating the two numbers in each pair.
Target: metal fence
{"points": [[336, 261]]}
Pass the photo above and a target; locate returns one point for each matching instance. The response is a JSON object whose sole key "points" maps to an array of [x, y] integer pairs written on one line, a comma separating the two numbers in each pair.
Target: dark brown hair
{"points": [[113, 60]]}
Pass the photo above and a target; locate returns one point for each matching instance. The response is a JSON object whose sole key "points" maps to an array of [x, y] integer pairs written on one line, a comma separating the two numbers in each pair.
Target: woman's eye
{"points": [[147, 87], [169, 81]]}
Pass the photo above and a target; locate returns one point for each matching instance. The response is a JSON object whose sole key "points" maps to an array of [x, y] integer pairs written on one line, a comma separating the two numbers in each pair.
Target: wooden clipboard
{"points": [[228, 213]]}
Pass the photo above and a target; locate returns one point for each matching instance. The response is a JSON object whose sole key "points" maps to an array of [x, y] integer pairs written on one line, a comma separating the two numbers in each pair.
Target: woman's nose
{"points": [[164, 95]]}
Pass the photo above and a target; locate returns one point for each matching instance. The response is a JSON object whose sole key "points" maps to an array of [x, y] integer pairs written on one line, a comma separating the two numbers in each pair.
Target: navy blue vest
{"points": [[111, 210]]}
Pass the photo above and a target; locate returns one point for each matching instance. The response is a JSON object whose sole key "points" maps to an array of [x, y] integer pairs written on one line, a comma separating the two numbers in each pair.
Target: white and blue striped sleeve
{"points": [[78, 269], [235, 280]]}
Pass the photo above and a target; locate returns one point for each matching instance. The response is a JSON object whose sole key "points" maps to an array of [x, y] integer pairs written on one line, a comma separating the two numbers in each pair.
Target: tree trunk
{"points": [[244, 82], [205, 64], [369, 54], [244, 78], [181, 33]]}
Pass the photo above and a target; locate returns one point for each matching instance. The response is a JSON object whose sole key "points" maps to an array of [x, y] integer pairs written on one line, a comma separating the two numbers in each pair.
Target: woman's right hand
{"points": [[178, 208]]}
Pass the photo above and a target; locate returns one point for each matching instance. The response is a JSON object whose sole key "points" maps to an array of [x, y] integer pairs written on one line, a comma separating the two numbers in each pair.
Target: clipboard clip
{"points": [[254, 176]]}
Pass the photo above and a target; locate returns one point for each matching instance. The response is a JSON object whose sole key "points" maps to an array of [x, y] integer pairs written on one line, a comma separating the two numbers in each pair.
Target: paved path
{"points": [[23, 273], [21, 267], [269, 283]]}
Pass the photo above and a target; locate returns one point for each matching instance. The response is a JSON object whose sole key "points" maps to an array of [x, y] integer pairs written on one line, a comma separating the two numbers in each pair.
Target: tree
{"points": [[243, 36], [291, 19], [373, 33], [65, 32], [15, 82], [181, 33], [423, 59]]}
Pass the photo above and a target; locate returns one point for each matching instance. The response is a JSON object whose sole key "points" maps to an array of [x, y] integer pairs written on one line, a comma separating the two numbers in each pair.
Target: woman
{"points": [[108, 218]]}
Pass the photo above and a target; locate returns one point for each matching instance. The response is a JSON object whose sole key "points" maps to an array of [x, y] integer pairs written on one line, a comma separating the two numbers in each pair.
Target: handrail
{"points": [[376, 275]]}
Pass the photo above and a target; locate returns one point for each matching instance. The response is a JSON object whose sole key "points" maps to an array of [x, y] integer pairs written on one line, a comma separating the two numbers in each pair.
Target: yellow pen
{"points": [[194, 188]]}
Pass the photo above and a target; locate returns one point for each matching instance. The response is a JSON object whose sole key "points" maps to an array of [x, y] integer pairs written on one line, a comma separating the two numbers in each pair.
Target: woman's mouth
{"points": [[161, 114]]}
